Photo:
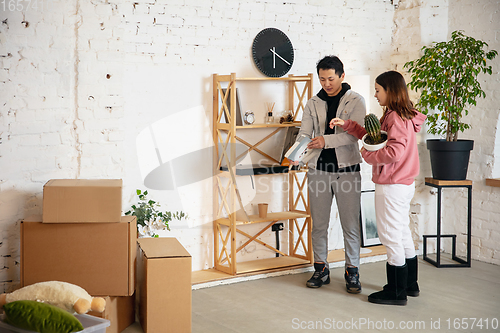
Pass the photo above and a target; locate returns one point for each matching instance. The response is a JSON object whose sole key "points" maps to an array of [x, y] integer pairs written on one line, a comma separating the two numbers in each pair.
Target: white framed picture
{"points": [[369, 234], [239, 115]]}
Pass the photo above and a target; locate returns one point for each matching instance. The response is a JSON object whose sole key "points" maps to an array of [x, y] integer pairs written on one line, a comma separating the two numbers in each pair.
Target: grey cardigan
{"points": [[351, 106]]}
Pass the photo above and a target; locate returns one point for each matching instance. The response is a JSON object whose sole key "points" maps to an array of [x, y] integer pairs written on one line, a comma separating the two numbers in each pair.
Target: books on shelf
{"points": [[298, 151], [257, 169]]}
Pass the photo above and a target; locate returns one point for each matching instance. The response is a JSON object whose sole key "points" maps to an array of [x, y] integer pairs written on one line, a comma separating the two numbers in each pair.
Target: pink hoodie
{"points": [[397, 162]]}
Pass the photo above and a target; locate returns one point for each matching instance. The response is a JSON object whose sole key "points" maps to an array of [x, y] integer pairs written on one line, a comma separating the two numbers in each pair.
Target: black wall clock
{"points": [[272, 52]]}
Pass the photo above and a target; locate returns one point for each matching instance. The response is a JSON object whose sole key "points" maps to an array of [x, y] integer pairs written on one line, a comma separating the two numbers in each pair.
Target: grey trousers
{"points": [[346, 187]]}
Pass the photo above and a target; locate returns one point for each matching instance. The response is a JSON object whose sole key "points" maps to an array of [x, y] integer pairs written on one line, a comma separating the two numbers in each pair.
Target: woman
{"points": [[394, 169]]}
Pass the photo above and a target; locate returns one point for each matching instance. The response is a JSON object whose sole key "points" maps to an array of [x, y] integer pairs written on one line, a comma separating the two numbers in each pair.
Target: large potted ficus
{"points": [[447, 77]]}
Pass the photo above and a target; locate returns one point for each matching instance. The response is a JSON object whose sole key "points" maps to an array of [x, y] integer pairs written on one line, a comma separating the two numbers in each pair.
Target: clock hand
{"points": [[274, 57], [274, 53]]}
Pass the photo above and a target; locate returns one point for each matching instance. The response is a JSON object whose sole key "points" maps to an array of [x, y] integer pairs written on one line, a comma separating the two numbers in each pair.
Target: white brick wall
{"points": [[481, 20], [436, 21], [82, 79]]}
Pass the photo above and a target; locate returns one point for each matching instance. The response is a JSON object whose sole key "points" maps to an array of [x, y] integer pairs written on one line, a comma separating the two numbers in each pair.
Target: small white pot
{"points": [[373, 147]]}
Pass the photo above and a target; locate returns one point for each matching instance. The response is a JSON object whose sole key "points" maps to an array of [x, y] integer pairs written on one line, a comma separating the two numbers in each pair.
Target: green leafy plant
{"points": [[446, 75], [149, 217], [372, 127]]}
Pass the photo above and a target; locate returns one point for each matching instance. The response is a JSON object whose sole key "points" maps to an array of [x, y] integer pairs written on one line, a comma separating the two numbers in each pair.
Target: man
{"points": [[334, 170]]}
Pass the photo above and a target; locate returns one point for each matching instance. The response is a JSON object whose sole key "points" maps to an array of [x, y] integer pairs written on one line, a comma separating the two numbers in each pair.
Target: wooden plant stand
{"points": [[440, 184]]}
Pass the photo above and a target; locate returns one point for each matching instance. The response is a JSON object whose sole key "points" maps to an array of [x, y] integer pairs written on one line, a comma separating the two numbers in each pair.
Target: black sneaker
{"points": [[352, 283], [320, 277]]}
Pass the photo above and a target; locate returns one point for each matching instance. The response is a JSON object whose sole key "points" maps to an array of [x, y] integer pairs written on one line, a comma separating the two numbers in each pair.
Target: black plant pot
{"points": [[449, 159]]}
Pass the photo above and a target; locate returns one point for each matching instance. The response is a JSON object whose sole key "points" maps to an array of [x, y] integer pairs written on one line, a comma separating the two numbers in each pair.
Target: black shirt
{"points": [[327, 160]]}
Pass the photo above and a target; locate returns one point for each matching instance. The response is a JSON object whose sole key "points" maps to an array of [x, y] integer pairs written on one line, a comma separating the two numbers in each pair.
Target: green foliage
{"points": [[40, 317], [148, 213], [372, 127], [446, 75]]}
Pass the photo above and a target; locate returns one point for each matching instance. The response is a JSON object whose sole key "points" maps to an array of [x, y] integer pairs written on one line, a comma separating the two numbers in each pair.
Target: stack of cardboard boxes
{"points": [[83, 239]]}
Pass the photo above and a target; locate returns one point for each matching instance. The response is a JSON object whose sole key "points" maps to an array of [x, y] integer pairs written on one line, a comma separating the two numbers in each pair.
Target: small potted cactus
{"points": [[374, 139]]}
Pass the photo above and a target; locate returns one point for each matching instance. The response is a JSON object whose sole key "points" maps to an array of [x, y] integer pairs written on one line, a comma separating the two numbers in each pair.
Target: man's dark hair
{"points": [[331, 62]]}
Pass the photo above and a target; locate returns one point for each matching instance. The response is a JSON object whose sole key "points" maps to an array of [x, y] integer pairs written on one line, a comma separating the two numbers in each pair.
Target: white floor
{"points": [[450, 300]]}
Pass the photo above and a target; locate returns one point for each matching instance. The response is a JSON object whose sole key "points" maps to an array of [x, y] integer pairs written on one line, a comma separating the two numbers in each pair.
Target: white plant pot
{"points": [[373, 147]]}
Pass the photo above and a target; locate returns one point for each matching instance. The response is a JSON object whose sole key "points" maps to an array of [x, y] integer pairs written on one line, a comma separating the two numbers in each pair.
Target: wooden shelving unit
{"points": [[230, 217]]}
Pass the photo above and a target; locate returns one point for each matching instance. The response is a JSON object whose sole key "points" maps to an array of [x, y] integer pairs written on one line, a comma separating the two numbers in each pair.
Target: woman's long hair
{"points": [[397, 94]]}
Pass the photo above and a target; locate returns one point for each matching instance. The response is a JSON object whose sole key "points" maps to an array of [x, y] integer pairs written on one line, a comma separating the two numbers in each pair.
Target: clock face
{"points": [[272, 52], [249, 117]]}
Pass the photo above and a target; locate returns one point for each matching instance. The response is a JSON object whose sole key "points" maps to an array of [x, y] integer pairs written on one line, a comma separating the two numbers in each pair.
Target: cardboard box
{"points": [[99, 257], [82, 200], [120, 311], [164, 286]]}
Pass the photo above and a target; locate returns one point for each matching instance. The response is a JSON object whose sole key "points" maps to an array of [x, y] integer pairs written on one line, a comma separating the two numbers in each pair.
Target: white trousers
{"points": [[392, 209]]}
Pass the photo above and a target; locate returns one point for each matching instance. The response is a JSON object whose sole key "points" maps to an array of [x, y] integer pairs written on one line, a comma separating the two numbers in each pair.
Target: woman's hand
{"points": [[336, 122]]}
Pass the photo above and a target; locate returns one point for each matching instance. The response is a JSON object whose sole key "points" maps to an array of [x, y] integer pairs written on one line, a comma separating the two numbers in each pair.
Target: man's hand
{"points": [[317, 142]]}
